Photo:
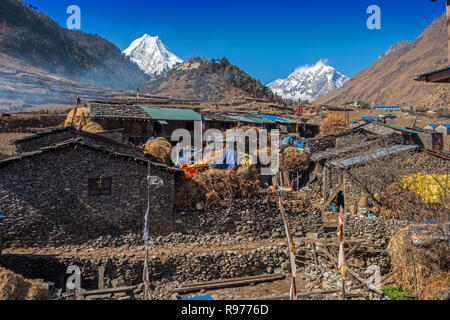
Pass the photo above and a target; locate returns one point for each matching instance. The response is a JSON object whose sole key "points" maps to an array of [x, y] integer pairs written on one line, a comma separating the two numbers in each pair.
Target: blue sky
{"points": [[267, 39]]}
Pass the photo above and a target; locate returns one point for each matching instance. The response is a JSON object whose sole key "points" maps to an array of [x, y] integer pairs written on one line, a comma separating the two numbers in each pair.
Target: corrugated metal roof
{"points": [[218, 117], [431, 72], [241, 118], [374, 155], [270, 117], [171, 114], [260, 120]]}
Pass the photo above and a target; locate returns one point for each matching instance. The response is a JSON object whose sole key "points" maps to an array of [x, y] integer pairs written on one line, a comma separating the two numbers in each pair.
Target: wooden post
{"points": [[101, 277]]}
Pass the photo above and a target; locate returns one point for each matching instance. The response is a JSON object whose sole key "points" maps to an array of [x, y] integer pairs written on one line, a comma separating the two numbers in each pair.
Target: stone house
{"points": [[72, 192], [140, 122], [371, 172]]}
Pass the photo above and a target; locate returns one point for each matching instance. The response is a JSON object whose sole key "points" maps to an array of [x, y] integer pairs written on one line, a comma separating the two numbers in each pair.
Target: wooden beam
{"points": [[354, 274], [218, 284], [106, 291]]}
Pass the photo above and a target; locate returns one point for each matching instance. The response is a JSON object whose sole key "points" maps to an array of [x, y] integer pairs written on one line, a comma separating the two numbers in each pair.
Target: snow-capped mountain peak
{"points": [[151, 55], [309, 82]]}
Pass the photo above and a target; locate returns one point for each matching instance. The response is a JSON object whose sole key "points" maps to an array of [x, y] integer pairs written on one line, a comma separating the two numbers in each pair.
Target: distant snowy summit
{"points": [[309, 82], [151, 55]]}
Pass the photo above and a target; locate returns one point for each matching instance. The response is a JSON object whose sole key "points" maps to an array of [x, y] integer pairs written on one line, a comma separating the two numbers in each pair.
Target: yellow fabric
{"points": [[431, 188], [246, 159]]}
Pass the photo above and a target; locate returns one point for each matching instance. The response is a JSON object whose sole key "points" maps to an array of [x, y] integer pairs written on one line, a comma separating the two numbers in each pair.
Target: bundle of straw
{"points": [[75, 115], [334, 124], [294, 159], [417, 266], [160, 150], [92, 127], [16, 287]]}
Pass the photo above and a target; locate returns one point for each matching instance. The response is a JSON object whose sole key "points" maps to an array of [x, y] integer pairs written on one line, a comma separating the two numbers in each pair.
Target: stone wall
{"points": [[45, 202], [378, 230]]}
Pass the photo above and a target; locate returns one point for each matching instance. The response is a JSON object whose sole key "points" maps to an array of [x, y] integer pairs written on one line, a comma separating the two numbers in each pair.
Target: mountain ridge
{"points": [[390, 80], [39, 41], [309, 82]]}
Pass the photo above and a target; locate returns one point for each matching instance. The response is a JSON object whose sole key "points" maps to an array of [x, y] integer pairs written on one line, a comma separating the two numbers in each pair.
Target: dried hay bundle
{"points": [[399, 203], [75, 115], [334, 124], [160, 150], [438, 285], [215, 186], [92, 127], [16, 287], [420, 268], [294, 159], [247, 181]]}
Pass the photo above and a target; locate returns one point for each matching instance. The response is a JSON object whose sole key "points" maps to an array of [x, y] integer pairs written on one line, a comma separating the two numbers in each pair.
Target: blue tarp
{"points": [[298, 143], [187, 158], [228, 161], [200, 298], [286, 140]]}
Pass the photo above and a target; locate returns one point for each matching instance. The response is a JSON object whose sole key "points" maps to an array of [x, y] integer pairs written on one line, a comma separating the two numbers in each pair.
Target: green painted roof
{"points": [[397, 128], [171, 114]]}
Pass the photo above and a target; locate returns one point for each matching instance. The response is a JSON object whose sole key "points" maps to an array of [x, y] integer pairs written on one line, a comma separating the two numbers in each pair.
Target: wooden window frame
{"points": [[102, 190]]}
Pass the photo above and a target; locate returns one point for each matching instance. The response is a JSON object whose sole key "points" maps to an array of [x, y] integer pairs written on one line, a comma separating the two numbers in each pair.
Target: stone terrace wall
{"points": [[176, 267], [44, 198], [244, 221], [378, 230]]}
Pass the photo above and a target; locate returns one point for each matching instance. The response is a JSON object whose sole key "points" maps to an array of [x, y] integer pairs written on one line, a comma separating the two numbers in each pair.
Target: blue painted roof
{"points": [[445, 125], [434, 126], [385, 107], [200, 298], [390, 116], [369, 118], [273, 118], [375, 155]]}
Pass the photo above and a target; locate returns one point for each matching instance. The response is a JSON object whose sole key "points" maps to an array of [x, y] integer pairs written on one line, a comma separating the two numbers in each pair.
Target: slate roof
{"points": [[80, 142], [117, 111]]}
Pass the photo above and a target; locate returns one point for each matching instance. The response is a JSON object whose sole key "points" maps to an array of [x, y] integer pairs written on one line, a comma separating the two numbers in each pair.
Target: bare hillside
{"points": [[389, 81]]}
